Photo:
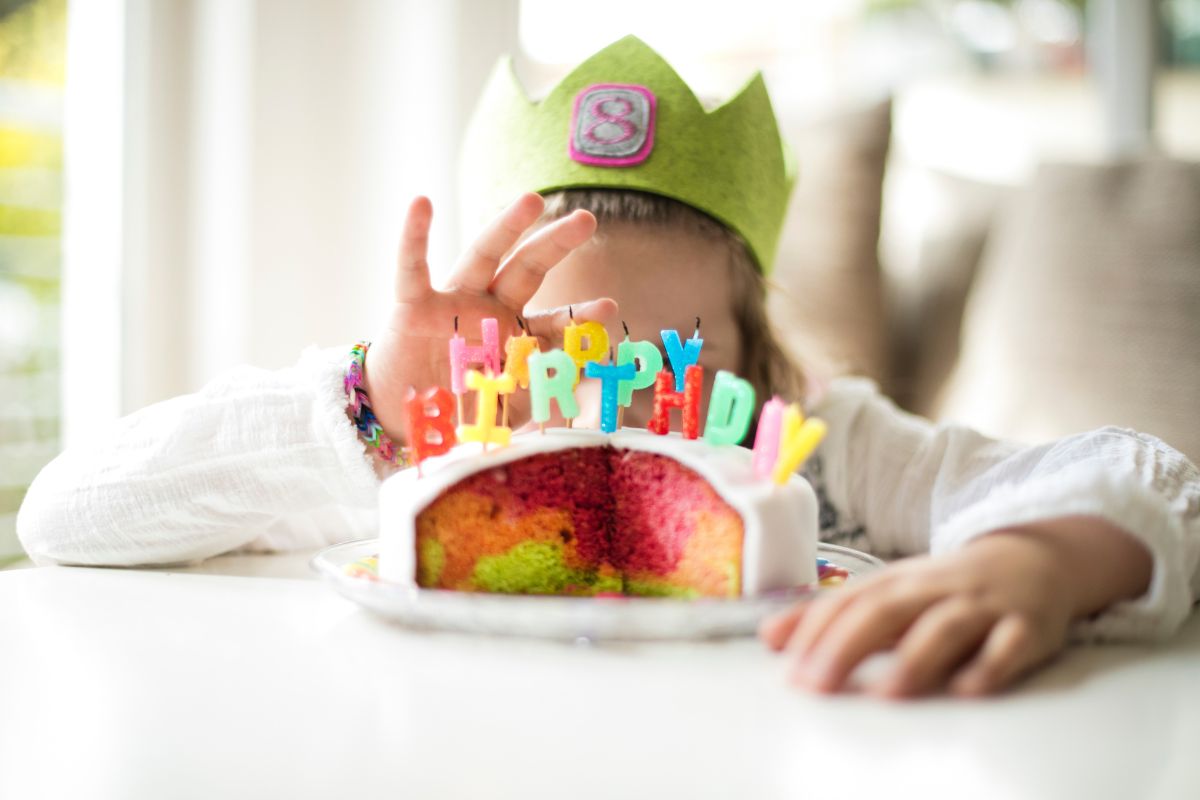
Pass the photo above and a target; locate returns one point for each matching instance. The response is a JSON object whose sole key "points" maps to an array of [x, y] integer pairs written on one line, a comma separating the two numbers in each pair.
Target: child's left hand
{"points": [[972, 621]]}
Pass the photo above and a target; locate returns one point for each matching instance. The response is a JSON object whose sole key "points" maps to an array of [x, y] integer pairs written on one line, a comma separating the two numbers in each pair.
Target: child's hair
{"points": [[762, 359]]}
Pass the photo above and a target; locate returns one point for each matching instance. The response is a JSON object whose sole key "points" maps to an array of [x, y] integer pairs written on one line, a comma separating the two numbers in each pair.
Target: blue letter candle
{"points": [[682, 355], [610, 375]]}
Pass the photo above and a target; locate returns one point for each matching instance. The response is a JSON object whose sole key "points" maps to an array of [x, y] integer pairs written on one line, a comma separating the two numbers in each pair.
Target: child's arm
{"points": [[1107, 521], [260, 457]]}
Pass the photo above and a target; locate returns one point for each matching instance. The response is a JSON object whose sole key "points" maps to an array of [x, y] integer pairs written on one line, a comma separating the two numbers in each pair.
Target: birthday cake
{"points": [[583, 512]]}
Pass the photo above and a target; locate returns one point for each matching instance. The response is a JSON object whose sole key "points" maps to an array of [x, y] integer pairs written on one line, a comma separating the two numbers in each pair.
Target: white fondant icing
{"points": [[779, 549]]}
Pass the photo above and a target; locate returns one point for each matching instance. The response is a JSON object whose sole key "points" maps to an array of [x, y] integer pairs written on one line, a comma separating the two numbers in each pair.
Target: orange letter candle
{"points": [[430, 422]]}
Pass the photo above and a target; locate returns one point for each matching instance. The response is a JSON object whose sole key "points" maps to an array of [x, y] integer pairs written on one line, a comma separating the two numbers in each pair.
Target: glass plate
{"points": [[349, 568]]}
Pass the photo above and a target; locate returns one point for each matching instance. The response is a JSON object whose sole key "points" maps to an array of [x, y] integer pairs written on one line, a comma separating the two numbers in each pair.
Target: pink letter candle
{"points": [[463, 355], [682, 355], [730, 407], [560, 386], [766, 440], [485, 429]]}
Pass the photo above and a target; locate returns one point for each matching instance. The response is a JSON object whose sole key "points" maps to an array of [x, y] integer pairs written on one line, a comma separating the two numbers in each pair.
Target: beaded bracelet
{"points": [[359, 406]]}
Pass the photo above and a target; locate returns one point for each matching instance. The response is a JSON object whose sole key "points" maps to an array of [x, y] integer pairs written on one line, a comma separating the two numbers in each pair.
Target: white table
{"points": [[164, 684]]}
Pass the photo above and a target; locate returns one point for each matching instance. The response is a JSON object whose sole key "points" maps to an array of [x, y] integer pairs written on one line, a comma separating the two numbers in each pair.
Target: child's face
{"points": [[661, 278]]}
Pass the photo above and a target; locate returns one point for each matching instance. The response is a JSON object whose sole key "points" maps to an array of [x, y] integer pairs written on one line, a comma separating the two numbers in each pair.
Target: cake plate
{"points": [[349, 567]]}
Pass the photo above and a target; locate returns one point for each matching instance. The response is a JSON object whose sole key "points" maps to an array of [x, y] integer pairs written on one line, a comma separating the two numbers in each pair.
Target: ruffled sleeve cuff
{"points": [[1088, 490]]}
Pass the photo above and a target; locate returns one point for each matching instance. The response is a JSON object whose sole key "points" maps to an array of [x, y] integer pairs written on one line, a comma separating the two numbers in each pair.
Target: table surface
{"points": [[245, 677]]}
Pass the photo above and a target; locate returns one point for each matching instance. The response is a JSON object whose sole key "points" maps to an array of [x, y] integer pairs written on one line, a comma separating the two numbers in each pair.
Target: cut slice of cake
{"points": [[579, 512]]}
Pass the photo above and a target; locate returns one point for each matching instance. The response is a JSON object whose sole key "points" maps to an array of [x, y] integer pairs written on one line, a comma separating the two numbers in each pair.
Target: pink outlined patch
{"points": [[612, 125]]}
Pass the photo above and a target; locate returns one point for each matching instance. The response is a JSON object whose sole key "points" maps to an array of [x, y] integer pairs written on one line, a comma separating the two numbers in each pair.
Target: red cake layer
{"points": [[582, 521]]}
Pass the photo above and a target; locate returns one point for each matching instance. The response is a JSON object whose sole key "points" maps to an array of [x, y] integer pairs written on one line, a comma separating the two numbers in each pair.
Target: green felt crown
{"points": [[730, 162]]}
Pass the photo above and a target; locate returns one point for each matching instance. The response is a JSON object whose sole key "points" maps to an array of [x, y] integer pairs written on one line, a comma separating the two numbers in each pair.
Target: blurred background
{"points": [[998, 216]]}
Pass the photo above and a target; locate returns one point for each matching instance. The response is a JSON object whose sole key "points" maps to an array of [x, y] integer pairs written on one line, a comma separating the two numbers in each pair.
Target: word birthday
{"points": [[783, 441]]}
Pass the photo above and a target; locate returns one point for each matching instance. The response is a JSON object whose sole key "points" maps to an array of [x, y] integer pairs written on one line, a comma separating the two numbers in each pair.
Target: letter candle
{"points": [[800, 437], [544, 387], [730, 407], [517, 350], [649, 363], [584, 342], [610, 376], [430, 424], [687, 401], [682, 355], [462, 355], [488, 389], [766, 440]]}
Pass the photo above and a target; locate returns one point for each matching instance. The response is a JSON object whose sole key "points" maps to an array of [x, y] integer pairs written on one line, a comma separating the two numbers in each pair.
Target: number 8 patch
{"points": [[612, 125]]}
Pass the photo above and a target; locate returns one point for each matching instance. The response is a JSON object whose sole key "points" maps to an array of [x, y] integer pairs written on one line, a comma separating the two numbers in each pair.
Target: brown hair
{"points": [[762, 359]]}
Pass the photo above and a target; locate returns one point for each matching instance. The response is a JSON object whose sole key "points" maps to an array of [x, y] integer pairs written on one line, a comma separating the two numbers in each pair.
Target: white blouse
{"points": [[266, 460]]}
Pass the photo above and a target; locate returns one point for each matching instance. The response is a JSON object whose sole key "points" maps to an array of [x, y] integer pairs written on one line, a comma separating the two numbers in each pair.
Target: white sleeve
{"points": [[257, 458], [918, 487]]}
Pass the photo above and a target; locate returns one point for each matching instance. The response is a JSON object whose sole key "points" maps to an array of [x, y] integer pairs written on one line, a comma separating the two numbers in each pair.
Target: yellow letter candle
{"points": [[560, 386], [584, 342], [800, 437], [488, 389]]}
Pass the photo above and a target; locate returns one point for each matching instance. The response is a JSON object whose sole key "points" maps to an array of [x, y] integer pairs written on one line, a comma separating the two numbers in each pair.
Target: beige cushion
{"points": [[1086, 311], [827, 298]]}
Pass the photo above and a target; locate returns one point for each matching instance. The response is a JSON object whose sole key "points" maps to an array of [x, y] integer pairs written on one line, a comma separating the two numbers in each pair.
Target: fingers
{"points": [[523, 273], [1011, 648], [776, 629], [548, 325], [478, 266], [870, 625], [941, 639], [412, 266], [825, 610]]}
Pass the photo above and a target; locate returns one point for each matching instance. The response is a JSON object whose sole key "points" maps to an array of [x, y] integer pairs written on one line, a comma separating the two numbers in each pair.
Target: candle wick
{"points": [[456, 323], [571, 313], [696, 333], [626, 327], [520, 324]]}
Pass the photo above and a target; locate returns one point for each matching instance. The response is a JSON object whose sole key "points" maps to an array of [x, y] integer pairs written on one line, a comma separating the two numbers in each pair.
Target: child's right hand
{"points": [[412, 350]]}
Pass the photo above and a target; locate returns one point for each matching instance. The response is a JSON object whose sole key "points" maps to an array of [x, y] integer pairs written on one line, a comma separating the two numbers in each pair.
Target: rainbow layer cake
{"points": [[580, 512]]}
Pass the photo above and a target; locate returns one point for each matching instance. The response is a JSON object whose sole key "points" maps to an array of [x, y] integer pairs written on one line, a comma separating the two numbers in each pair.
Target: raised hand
{"points": [[488, 281]]}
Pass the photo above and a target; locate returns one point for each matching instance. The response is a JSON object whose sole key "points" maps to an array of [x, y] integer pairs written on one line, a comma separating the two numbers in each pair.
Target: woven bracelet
{"points": [[359, 406]]}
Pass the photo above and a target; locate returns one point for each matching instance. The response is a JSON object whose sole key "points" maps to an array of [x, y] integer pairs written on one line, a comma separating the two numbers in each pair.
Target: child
{"points": [[1096, 535]]}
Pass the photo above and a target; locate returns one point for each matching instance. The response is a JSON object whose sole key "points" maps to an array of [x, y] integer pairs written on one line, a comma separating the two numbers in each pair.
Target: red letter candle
{"points": [[687, 401], [430, 422]]}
